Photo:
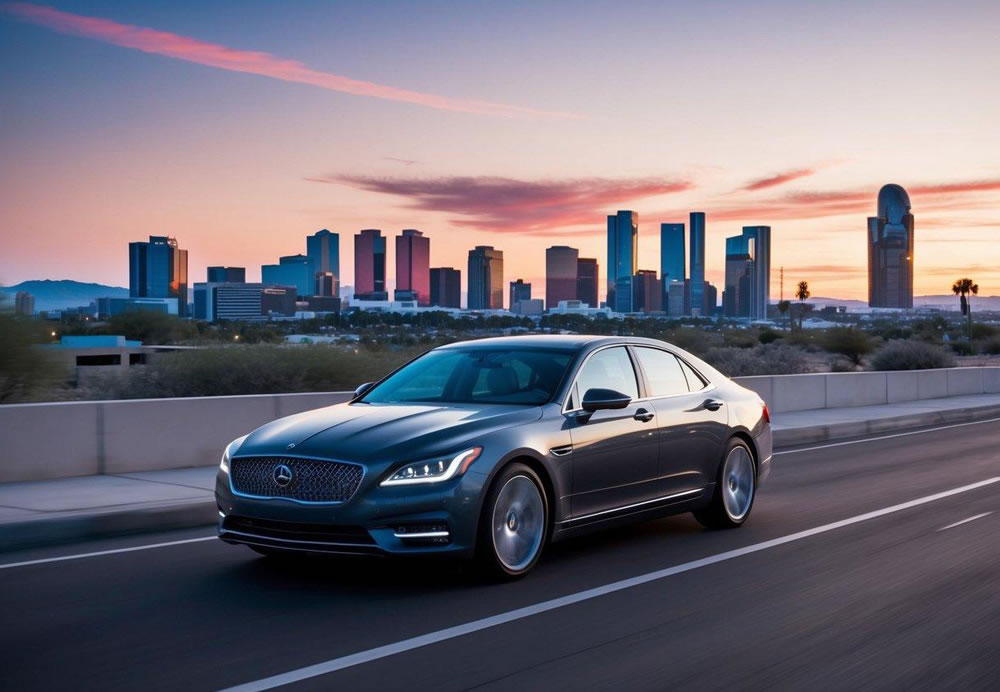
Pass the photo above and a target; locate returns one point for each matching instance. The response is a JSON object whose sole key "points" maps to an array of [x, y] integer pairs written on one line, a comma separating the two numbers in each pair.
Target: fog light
{"points": [[433, 534]]}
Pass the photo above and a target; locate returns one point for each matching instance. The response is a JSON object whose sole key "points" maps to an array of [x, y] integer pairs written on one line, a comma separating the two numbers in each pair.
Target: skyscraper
{"points": [[890, 251], [158, 269], [560, 274], [739, 268], [485, 278], [760, 276], [648, 291], [291, 270], [697, 263], [446, 287], [24, 303], [519, 291], [586, 281], [323, 251], [413, 261], [748, 273], [623, 247], [672, 258], [232, 275], [369, 265]]}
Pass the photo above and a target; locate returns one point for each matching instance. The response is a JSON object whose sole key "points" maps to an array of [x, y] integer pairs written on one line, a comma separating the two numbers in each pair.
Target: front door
{"points": [[615, 455]]}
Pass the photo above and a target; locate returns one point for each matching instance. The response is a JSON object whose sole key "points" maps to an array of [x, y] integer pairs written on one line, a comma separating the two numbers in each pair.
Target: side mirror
{"points": [[360, 391], [600, 399]]}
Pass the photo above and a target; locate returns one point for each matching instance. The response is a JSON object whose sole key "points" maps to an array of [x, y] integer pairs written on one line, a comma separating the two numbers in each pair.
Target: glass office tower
{"points": [[890, 251], [323, 251], [413, 267], [623, 250], [159, 269], [560, 274], [485, 278], [369, 265], [697, 264]]}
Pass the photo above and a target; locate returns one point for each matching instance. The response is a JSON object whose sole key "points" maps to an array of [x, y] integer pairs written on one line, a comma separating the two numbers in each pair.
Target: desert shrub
{"points": [[849, 342], [250, 370], [740, 338], [991, 346], [962, 348], [983, 331], [911, 355], [768, 336], [693, 340], [766, 359]]}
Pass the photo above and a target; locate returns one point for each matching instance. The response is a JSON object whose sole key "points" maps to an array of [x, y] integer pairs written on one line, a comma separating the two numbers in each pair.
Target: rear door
{"points": [[615, 453], [692, 423]]}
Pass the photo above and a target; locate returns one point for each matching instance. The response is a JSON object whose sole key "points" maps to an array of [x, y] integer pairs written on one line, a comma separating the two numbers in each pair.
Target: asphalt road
{"points": [[883, 596]]}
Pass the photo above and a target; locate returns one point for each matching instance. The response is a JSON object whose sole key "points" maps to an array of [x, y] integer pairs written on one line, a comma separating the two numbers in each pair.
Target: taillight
{"points": [[767, 414]]}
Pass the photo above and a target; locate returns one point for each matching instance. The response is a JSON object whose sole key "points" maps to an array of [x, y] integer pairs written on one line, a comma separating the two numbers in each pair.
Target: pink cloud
{"points": [[251, 62], [507, 205], [778, 179]]}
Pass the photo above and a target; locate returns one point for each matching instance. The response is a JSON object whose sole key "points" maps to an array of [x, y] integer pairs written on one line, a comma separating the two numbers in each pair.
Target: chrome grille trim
{"points": [[315, 481]]}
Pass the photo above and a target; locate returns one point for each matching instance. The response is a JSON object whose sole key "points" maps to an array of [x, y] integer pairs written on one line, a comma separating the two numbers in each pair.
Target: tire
{"points": [[735, 489], [513, 524]]}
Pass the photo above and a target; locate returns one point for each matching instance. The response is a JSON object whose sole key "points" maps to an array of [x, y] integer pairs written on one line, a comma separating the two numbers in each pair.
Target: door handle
{"points": [[712, 404], [643, 415]]}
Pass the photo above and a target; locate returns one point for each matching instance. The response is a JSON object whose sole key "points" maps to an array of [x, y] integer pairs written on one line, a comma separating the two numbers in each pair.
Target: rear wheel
{"points": [[735, 489], [513, 524]]}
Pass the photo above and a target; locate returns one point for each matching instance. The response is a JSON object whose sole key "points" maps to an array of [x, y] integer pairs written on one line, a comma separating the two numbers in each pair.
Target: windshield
{"points": [[476, 376]]}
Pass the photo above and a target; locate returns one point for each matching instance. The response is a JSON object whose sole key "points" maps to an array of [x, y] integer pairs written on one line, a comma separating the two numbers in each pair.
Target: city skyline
{"points": [[237, 158]]}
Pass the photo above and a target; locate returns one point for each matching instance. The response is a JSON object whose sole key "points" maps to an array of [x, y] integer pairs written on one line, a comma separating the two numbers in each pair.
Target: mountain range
{"points": [[64, 293]]}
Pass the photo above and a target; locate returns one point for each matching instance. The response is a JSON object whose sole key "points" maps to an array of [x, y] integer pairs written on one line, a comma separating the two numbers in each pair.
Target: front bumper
{"points": [[407, 520]]}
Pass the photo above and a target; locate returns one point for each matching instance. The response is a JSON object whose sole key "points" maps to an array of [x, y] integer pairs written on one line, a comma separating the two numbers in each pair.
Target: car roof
{"points": [[554, 341]]}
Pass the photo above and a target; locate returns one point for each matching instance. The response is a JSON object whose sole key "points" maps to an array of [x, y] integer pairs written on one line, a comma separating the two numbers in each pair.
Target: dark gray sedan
{"points": [[490, 449]]}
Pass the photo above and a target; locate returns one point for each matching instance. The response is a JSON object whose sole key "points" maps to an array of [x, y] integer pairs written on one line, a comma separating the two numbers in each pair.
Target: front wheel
{"points": [[513, 524], [735, 489]]}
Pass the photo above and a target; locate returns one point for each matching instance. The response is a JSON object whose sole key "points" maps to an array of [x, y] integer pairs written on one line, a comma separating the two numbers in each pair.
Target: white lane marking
{"points": [[885, 437], [380, 652], [80, 556], [965, 521]]}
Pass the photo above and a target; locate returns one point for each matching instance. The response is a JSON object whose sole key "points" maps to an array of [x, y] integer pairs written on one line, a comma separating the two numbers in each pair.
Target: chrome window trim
{"points": [[711, 386], [234, 491]]}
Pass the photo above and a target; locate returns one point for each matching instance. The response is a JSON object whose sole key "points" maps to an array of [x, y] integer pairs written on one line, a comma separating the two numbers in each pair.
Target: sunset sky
{"points": [[240, 127]]}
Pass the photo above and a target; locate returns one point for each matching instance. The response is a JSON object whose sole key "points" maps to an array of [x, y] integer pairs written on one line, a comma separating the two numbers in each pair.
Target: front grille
{"points": [[312, 480], [296, 531]]}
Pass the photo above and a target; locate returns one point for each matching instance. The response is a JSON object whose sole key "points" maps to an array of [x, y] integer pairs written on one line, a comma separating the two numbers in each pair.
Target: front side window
{"points": [[610, 368], [476, 375], [663, 372]]}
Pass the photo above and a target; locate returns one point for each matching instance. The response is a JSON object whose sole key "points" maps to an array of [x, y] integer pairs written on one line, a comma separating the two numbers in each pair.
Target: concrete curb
{"points": [[71, 527], [845, 429]]}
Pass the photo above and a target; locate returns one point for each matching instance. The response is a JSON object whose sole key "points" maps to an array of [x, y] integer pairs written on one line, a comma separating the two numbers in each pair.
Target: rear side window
{"points": [[695, 381], [663, 372], [608, 369]]}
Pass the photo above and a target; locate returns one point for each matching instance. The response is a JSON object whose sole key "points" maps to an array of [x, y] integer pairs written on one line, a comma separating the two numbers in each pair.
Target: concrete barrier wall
{"points": [[843, 389], [43, 441]]}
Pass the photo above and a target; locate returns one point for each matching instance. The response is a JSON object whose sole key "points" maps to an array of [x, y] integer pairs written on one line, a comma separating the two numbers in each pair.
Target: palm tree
{"points": [[802, 293], [965, 289], [783, 306]]}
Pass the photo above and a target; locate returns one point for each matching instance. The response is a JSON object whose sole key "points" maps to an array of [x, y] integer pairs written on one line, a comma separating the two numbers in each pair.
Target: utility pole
{"points": [[782, 283]]}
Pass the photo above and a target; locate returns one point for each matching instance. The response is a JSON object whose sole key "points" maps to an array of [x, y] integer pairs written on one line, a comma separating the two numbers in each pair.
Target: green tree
{"points": [[965, 289], [802, 293], [25, 367], [783, 307]]}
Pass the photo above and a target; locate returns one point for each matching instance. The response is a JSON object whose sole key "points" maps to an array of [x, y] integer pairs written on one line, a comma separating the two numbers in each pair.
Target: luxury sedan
{"points": [[490, 449]]}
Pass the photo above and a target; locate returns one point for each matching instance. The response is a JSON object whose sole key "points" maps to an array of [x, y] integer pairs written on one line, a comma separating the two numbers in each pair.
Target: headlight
{"points": [[435, 470], [229, 451]]}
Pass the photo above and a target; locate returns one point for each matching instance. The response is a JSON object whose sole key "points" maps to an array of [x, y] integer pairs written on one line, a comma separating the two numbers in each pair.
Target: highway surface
{"points": [[868, 565]]}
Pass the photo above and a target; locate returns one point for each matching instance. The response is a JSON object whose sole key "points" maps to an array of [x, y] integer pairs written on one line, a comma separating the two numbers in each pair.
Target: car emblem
{"points": [[290, 445], [282, 475]]}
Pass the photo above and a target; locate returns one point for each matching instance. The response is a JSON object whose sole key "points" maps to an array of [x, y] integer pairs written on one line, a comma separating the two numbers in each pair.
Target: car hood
{"points": [[382, 432]]}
